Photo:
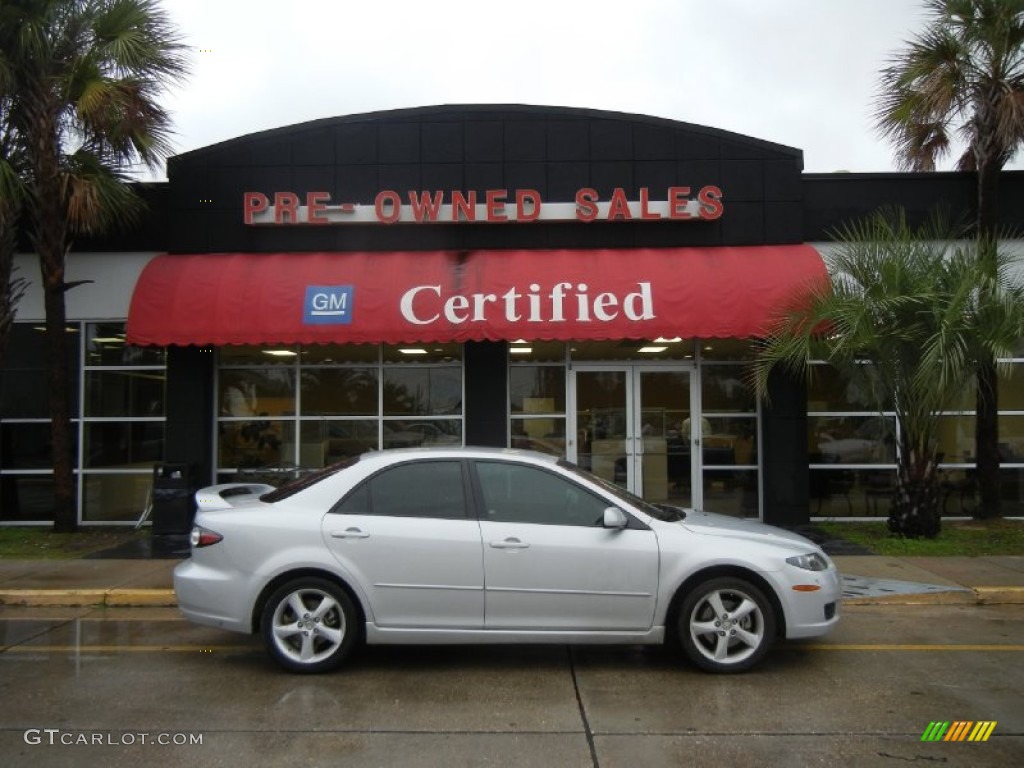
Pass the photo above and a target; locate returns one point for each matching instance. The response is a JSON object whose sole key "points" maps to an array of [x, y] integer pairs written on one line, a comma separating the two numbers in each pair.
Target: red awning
{"points": [[404, 297]]}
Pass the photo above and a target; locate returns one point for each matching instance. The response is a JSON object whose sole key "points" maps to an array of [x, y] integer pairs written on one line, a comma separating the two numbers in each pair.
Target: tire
{"points": [[309, 625], [726, 625]]}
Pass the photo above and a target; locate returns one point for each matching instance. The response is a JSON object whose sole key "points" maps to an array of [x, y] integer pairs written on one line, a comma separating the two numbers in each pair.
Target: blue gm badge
{"points": [[328, 305]]}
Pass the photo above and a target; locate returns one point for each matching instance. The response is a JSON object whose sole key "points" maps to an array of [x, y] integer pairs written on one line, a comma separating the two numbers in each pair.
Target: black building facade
{"points": [[578, 282]]}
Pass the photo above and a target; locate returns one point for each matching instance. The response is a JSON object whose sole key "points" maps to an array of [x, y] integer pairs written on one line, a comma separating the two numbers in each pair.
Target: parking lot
{"points": [[115, 687]]}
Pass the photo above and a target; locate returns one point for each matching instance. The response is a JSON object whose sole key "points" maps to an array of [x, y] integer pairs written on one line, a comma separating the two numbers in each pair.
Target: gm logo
{"points": [[328, 305]]}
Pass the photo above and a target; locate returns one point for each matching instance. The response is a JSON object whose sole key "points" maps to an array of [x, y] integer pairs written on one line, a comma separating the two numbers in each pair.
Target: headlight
{"points": [[811, 562]]}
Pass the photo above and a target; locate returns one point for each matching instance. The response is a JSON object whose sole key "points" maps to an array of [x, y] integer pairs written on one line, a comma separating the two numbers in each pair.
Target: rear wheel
{"points": [[726, 625], [309, 625]]}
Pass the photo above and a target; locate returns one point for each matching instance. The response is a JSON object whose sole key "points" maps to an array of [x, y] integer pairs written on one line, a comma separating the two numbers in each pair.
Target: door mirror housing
{"points": [[615, 519]]}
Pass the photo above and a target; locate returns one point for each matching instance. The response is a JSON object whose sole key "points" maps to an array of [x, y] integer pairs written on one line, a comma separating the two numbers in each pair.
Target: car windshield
{"points": [[664, 512], [305, 481]]}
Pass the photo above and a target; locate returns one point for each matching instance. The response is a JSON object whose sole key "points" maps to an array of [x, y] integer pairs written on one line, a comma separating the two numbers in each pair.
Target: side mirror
{"points": [[615, 519]]}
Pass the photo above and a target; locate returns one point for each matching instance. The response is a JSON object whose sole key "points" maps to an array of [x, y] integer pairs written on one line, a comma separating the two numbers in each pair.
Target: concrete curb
{"points": [[963, 596], [89, 597]]}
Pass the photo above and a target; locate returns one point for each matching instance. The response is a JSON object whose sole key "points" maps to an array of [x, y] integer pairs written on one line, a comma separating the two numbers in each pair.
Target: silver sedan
{"points": [[463, 545]]}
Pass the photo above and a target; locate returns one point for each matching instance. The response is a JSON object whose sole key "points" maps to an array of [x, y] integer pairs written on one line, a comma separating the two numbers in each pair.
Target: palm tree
{"points": [[906, 317], [82, 78], [11, 288], [964, 75]]}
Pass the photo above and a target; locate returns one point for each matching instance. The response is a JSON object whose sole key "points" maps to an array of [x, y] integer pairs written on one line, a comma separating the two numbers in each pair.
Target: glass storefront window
{"points": [[537, 389], [27, 498], [124, 392], [727, 349], [851, 439], [546, 435], [328, 442], [256, 443], [245, 355], [105, 346], [827, 390], [114, 498], [24, 378], [422, 391], [732, 492], [339, 391], [1011, 438], [955, 436], [422, 353], [335, 354], [246, 392], [321, 404], [729, 441], [26, 445], [632, 349], [537, 351], [1011, 389], [851, 492], [412, 434], [723, 390], [123, 445]]}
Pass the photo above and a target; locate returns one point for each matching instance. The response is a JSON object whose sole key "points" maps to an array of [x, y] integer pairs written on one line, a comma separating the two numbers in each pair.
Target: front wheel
{"points": [[726, 625], [309, 625]]}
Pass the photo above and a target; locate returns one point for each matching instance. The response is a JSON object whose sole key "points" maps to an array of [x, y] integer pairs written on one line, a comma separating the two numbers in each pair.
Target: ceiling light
{"points": [[651, 350], [520, 350], [663, 340], [281, 352], [412, 351]]}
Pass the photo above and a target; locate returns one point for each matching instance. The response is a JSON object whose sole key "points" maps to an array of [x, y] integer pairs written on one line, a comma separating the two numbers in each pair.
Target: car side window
{"points": [[517, 493], [416, 489]]}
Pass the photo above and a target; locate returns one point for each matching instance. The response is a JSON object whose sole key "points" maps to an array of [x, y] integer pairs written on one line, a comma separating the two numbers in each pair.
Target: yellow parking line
{"points": [[898, 647], [126, 648]]}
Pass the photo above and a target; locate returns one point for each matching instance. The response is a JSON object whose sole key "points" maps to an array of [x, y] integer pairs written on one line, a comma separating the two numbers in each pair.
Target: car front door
{"points": [[549, 562], [406, 536]]}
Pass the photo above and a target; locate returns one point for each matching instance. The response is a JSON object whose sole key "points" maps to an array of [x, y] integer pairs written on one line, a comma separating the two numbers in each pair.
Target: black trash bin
{"points": [[173, 507]]}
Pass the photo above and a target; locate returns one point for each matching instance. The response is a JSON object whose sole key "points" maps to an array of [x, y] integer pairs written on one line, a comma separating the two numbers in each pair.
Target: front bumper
{"points": [[811, 612]]}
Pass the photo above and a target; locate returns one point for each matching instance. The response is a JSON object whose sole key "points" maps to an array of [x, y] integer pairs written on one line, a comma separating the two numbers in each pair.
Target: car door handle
{"points": [[510, 543], [349, 533]]}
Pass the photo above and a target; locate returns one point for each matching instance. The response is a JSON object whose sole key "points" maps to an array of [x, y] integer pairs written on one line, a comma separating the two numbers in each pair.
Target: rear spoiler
{"points": [[228, 495]]}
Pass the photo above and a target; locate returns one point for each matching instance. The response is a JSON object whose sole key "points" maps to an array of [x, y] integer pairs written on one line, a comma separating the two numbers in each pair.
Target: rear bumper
{"points": [[206, 596]]}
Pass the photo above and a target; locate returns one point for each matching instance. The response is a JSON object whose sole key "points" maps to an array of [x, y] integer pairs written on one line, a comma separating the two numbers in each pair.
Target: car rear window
{"points": [[305, 481]]}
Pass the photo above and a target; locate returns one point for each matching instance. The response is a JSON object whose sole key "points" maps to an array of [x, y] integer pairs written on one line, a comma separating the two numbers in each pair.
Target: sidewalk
{"points": [[867, 580]]}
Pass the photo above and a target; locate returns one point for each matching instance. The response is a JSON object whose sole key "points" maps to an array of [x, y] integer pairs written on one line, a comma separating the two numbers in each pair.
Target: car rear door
{"points": [[406, 535], [549, 562]]}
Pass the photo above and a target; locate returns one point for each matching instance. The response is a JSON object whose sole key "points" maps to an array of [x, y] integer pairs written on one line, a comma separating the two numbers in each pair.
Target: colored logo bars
{"points": [[959, 730]]}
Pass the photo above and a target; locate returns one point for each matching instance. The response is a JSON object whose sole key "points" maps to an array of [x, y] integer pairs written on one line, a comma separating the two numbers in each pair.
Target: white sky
{"points": [[798, 72]]}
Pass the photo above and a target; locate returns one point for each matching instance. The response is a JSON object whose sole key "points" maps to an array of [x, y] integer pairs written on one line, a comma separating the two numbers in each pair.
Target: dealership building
{"points": [[578, 282]]}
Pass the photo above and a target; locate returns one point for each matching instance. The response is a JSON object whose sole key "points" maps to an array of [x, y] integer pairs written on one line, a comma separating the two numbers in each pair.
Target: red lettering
{"points": [[316, 205], [645, 200], [678, 198], [425, 208], [710, 199], [586, 204], [495, 202], [619, 206], [387, 198], [527, 198], [286, 206], [463, 207], [253, 203]]}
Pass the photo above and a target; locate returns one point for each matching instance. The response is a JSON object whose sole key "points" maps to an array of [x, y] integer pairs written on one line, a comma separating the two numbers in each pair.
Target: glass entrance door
{"points": [[632, 427]]}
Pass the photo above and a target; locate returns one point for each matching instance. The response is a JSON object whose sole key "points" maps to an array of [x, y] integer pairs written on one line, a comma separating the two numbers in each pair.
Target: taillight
{"points": [[204, 537]]}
